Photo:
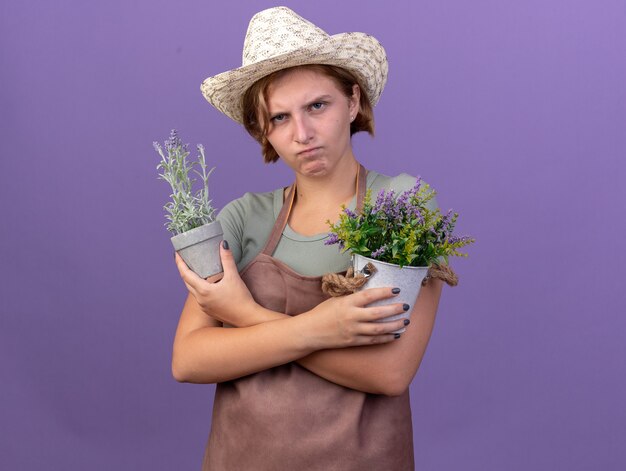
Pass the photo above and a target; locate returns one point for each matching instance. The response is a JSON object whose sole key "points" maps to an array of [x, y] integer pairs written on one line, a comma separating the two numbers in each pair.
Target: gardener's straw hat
{"points": [[278, 38]]}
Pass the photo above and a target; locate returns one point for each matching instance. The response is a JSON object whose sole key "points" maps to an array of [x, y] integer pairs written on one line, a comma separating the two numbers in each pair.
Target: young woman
{"points": [[304, 382]]}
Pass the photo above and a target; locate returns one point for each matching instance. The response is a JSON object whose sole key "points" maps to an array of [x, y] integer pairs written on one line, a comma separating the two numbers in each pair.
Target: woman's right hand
{"points": [[347, 321], [224, 297]]}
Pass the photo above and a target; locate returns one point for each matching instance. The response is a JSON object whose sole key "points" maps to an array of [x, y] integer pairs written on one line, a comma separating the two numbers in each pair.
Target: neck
{"points": [[338, 186]]}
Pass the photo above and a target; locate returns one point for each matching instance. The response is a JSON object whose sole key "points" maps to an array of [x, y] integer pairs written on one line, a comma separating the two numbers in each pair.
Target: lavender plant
{"points": [[402, 230], [187, 209]]}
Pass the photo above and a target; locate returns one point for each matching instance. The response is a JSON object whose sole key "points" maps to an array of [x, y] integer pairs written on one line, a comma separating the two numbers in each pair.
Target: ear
{"points": [[355, 100]]}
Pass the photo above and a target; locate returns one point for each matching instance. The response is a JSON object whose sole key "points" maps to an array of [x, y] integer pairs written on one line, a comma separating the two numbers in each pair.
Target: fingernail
{"points": [[407, 322], [395, 290], [405, 307], [225, 244], [397, 336]]}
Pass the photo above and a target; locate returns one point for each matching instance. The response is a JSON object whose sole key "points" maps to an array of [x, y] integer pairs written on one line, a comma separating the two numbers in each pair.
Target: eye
{"points": [[278, 118], [318, 106]]}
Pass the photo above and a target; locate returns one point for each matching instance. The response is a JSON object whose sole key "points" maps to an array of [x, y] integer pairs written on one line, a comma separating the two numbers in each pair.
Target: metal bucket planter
{"points": [[200, 248], [408, 279]]}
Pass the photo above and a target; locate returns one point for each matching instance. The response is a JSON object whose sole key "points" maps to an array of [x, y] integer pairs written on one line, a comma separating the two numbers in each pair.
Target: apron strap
{"points": [[361, 188], [283, 215], [281, 222]]}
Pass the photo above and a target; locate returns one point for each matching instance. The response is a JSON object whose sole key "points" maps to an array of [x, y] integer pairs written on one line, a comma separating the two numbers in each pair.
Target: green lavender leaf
{"points": [[187, 209]]}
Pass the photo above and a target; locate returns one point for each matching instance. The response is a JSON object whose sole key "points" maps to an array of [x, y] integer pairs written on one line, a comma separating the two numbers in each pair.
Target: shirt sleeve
{"points": [[232, 218]]}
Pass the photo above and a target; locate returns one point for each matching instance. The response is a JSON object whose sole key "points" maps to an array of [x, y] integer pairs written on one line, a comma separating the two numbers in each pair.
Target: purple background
{"points": [[514, 111]]}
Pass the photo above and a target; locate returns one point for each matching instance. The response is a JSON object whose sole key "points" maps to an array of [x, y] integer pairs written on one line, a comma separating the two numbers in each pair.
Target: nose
{"points": [[302, 130]]}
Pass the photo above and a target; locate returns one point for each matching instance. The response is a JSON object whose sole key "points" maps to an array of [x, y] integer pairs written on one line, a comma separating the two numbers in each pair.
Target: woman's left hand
{"points": [[224, 296]]}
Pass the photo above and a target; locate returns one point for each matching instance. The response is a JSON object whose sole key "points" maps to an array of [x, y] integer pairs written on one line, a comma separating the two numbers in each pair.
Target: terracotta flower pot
{"points": [[408, 279], [200, 248]]}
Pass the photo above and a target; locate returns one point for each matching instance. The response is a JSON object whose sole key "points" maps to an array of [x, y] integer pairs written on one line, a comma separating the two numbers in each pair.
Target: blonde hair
{"points": [[256, 118]]}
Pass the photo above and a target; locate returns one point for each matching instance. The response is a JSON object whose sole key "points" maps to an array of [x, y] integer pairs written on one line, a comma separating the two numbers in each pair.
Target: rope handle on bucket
{"points": [[336, 284]]}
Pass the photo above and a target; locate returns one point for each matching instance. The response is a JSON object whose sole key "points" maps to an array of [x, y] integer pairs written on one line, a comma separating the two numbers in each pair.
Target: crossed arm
{"points": [[336, 340]]}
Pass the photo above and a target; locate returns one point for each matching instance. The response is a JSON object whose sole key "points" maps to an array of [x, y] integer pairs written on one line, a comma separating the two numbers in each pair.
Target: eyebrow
{"points": [[309, 103]]}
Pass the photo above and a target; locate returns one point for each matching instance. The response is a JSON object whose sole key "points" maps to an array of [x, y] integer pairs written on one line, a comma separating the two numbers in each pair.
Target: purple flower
{"points": [[403, 200], [446, 221], [416, 187], [332, 239], [414, 213], [459, 239], [174, 141], [378, 252], [350, 213], [408, 195], [386, 204]]}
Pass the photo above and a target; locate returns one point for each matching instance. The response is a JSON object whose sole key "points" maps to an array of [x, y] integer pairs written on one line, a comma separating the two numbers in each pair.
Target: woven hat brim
{"points": [[359, 53]]}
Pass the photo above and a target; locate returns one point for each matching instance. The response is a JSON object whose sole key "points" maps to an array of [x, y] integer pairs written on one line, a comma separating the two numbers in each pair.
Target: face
{"points": [[310, 122]]}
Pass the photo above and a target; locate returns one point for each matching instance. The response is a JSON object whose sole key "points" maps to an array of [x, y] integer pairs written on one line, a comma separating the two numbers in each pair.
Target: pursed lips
{"points": [[308, 152]]}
